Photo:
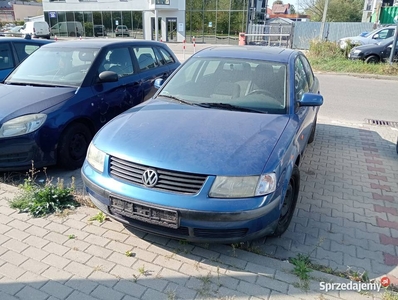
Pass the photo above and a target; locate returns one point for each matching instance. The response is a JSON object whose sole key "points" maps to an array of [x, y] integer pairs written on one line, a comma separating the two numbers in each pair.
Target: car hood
{"points": [[368, 47], [193, 139], [17, 100]]}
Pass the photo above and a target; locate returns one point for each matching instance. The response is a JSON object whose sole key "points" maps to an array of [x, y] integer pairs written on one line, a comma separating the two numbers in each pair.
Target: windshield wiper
{"points": [[32, 84], [228, 106], [176, 98]]}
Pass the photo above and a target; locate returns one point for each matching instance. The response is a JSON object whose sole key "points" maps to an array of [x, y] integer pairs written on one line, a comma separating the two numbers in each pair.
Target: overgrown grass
{"points": [[327, 56], [43, 199]]}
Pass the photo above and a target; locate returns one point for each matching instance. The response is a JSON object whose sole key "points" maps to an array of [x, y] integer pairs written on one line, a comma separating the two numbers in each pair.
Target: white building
{"points": [[138, 15]]}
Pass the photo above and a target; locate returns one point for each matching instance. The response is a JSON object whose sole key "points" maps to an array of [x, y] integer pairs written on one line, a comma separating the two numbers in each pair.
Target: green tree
{"points": [[338, 10]]}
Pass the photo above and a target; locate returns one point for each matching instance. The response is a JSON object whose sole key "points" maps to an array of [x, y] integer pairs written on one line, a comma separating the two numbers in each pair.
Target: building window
{"points": [[163, 2]]}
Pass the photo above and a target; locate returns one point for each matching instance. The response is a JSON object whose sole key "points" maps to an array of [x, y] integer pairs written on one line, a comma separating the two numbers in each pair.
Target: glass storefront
{"points": [[215, 21], [209, 21], [68, 23]]}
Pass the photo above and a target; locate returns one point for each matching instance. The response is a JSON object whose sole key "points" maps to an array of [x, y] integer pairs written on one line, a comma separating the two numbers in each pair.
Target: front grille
{"points": [[171, 181], [220, 233]]}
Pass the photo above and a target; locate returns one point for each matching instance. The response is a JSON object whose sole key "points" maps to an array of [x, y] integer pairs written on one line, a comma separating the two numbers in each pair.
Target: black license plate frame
{"points": [[146, 213]]}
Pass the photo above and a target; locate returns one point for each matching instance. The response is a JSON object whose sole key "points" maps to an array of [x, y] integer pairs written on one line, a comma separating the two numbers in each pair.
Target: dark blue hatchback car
{"points": [[59, 97]]}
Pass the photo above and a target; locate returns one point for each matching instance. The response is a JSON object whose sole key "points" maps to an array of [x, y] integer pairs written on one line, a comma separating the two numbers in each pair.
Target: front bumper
{"points": [[196, 225], [17, 153]]}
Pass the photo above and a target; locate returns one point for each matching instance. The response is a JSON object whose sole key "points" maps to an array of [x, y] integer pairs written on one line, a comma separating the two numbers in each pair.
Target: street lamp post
{"points": [[394, 43]]}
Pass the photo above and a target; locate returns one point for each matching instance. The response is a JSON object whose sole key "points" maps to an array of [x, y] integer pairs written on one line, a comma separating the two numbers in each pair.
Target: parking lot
{"points": [[346, 217]]}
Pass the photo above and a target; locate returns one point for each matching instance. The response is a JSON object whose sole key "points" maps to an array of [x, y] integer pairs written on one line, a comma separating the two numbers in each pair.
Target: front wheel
{"points": [[289, 203], [73, 145], [373, 59]]}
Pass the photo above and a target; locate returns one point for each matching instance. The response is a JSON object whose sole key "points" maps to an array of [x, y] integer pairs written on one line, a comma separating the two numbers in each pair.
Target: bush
{"points": [[325, 49], [88, 29], [41, 200]]}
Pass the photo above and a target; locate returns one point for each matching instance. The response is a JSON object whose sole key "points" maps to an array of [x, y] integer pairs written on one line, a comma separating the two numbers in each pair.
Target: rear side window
{"points": [[6, 59], [146, 58], [24, 50], [166, 56]]}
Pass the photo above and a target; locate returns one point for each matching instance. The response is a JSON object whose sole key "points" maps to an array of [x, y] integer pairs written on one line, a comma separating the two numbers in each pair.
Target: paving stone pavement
{"points": [[346, 217]]}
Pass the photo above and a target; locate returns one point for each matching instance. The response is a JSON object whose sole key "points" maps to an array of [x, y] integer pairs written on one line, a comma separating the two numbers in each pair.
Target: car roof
{"points": [[267, 53], [22, 40], [100, 43]]}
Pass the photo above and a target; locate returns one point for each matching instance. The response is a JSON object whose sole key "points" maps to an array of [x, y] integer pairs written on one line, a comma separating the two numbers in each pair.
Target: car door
{"points": [[304, 83], [112, 98], [151, 67]]}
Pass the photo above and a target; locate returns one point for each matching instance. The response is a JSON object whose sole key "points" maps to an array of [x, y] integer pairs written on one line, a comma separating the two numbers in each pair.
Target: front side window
{"points": [[229, 83], [301, 84], [119, 61], [307, 70]]}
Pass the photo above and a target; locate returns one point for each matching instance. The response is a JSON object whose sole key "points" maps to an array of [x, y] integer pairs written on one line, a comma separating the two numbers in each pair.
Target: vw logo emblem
{"points": [[150, 178]]}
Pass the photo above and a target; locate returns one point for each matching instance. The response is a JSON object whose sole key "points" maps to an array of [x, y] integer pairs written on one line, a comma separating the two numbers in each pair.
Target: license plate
{"points": [[144, 213]]}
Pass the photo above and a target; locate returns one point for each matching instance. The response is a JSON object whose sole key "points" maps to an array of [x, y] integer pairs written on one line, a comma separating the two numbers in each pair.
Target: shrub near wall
{"points": [[88, 29]]}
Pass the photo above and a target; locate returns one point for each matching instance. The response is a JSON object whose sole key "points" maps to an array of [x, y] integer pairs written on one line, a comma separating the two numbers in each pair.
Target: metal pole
{"points": [[394, 44], [325, 10]]}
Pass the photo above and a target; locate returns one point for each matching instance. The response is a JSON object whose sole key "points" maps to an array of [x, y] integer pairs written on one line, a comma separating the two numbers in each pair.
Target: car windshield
{"points": [[54, 67], [228, 83]]}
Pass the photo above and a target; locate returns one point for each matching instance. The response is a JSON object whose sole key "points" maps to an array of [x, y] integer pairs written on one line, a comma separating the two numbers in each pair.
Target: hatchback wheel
{"points": [[289, 203], [73, 145]]}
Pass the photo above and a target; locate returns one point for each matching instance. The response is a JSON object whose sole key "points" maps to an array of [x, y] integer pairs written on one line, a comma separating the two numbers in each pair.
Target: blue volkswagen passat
{"points": [[56, 100], [214, 156]]}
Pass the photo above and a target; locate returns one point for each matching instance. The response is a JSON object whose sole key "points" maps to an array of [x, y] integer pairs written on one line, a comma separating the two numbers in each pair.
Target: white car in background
{"points": [[372, 37]]}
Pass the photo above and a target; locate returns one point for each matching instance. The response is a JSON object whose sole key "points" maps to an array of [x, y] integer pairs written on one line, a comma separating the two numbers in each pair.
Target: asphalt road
{"points": [[354, 99]]}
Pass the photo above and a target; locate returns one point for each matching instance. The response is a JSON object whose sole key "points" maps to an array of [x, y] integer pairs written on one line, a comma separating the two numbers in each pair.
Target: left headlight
{"points": [[96, 158], [241, 187], [356, 51], [22, 125]]}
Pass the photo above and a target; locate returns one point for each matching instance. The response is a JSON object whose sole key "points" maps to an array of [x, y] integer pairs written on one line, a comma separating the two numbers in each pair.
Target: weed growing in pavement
{"points": [[43, 199], [100, 217], [129, 253], [390, 295], [302, 270], [171, 294], [71, 236]]}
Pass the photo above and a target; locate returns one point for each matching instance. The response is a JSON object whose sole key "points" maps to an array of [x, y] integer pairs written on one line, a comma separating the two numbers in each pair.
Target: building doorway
{"points": [[171, 29]]}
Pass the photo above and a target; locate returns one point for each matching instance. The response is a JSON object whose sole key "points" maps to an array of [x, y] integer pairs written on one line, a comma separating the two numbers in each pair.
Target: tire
{"points": [[312, 135], [72, 147], [373, 59], [289, 203]]}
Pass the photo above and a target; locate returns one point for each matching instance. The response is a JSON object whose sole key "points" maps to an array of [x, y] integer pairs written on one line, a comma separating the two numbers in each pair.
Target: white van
{"points": [[69, 28], [36, 29]]}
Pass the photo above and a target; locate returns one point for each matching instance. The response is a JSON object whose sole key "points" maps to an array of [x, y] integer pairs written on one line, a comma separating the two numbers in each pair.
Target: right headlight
{"points": [[22, 125], [243, 186], [96, 158]]}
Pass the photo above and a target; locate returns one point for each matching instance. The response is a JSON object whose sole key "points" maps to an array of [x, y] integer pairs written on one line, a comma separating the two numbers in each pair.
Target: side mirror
{"points": [[376, 36], [158, 83], [311, 99], [108, 76]]}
